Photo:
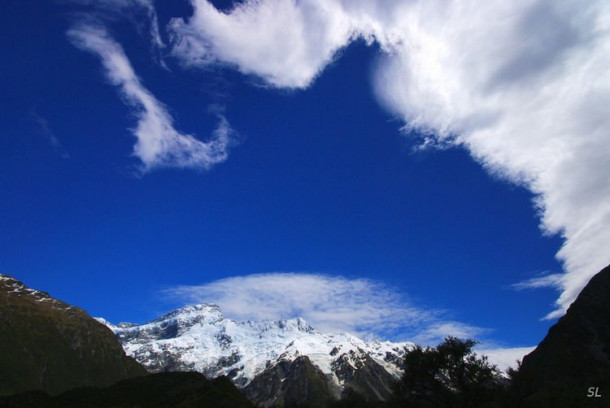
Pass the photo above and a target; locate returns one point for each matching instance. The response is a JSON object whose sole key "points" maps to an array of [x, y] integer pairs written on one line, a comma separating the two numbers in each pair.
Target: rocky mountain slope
{"points": [[290, 383], [49, 345], [572, 363], [263, 357]]}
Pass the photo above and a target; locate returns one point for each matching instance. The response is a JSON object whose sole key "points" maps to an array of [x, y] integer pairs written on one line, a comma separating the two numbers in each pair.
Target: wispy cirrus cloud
{"points": [[45, 130], [545, 281], [158, 144], [434, 331], [133, 9], [521, 85], [337, 304], [329, 303]]}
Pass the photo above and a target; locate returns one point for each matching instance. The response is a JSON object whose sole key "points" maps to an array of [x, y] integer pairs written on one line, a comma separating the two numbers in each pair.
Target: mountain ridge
{"points": [[199, 338], [50, 345]]}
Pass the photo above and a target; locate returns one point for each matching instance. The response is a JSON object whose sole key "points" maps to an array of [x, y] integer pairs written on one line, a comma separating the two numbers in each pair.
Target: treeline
{"points": [[450, 375]]}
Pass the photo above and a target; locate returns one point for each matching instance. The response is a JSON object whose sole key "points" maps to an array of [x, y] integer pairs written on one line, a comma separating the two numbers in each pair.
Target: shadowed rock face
{"points": [[48, 345], [290, 383], [363, 376], [299, 383], [574, 356]]}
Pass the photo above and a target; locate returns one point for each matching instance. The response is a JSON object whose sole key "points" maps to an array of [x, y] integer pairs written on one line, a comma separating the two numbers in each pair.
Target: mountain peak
{"points": [[189, 311], [199, 338]]}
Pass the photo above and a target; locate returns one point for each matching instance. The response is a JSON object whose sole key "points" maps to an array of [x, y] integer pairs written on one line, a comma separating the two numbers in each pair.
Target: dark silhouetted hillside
{"points": [[49, 345], [162, 390], [573, 357]]}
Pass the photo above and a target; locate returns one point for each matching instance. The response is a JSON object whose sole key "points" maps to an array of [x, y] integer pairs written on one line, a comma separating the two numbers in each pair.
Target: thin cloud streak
{"points": [[522, 85], [547, 281], [439, 330], [46, 131], [133, 9], [158, 144], [332, 304]]}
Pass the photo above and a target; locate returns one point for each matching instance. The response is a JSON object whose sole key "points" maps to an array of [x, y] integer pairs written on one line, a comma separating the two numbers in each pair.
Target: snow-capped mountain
{"points": [[200, 338]]}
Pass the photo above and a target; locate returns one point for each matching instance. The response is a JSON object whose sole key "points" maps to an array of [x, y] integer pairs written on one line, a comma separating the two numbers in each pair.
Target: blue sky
{"points": [[418, 164]]}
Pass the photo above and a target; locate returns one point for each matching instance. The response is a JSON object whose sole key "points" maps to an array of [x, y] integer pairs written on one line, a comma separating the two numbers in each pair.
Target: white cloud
{"points": [[284, 42], [505, 358], [519, 86], [129, 8], [158, 144], [523, 85], [46, 131], [333, 304], [435, 331], [546, 281]]}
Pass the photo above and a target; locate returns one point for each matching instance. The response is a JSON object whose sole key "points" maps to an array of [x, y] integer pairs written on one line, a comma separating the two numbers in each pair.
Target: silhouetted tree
{"points": [[450, 375]]}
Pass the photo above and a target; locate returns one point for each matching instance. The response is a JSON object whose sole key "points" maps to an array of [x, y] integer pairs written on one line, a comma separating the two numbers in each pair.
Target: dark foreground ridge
{"points": [[572, 364], [48, 345], [184, 390]]}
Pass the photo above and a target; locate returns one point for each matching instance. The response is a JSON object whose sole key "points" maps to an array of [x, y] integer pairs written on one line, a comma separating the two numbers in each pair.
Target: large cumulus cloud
{"points": [[523, 85]]}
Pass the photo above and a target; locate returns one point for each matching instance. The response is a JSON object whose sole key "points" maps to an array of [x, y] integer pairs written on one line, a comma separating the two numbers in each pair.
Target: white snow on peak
{"points": [[199, 338], [104, 322]]}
